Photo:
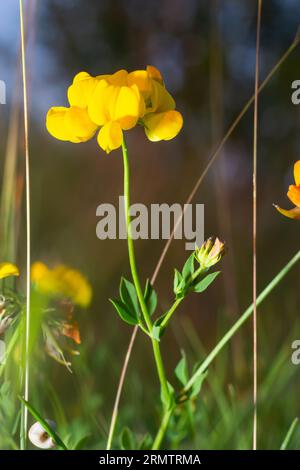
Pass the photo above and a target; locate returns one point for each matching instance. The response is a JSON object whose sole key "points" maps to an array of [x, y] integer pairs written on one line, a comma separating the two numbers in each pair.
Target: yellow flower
{"points": [[73, 124], [294, 196], [115, 103], [7, 270], [161, 121], [62, 281]]}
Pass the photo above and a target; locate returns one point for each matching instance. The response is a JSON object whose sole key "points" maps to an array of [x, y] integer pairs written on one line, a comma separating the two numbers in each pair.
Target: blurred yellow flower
{"points": [[62, 281], [294, 196], [7, 270], [115, 103]]}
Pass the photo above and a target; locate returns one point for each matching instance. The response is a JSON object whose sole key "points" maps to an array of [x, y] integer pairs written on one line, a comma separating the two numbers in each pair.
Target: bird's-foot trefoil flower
{"points": [[62, 282], [294, 196], [113, 104], [62, 288]]}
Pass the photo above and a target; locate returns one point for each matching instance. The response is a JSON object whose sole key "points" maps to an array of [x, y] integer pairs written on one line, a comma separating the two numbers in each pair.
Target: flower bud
{"points": [[210, 252], [39, 437]]}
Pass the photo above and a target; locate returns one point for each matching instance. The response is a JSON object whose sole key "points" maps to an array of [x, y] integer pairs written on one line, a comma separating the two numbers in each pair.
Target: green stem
{"points": [[162, 429], [177, 302], [237, 325], [170, 312], [135, 277]]}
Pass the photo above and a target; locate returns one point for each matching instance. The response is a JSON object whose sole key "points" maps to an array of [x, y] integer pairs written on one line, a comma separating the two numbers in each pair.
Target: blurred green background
{"points": [[206, 53]]}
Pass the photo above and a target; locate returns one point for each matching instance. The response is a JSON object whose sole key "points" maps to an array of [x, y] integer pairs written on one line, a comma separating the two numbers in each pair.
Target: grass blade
{"points": [[45, 425], [289, 434]]}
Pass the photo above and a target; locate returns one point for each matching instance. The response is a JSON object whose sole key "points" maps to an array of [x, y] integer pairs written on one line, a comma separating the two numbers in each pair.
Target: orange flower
{"points": [[294, 196]]}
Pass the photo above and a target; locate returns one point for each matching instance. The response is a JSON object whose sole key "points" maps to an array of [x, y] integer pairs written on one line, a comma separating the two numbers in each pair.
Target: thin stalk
{"points": [[117, 400], [254, 232], [170, 312], [131, 252], [27, 178], [237, 325], [177, 302], [162, 429], [135, 276], [211, 160]]}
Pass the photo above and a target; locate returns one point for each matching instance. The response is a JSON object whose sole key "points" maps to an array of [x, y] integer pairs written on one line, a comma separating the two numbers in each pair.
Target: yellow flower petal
{"points": [[163, 126], [62, 281], [79, 124], [154, 73], [73, 285], [297, 173], [161, 100], [141, 79], [294, 194], [43, 278], [126, 109], [80, 92], [99, 102], [38, 271], [110, 136], [291, 213], [55, 123], [7, 270], [119, 78]]}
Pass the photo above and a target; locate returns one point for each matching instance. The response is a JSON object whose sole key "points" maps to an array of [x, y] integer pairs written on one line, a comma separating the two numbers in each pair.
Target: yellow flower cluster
{"points": [[7, 270], [62, 281], [113, 104]]}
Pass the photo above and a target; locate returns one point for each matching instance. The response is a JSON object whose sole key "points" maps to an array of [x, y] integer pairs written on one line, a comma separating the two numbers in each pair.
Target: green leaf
{"points": [[146, 442], [127, 315], [188, 268], [44, 424], [127, 439], [202, 285], [196, 388], [289, 434], [178, 284], [177, 280], [129, 297], [181, 370], [150, 298]]}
